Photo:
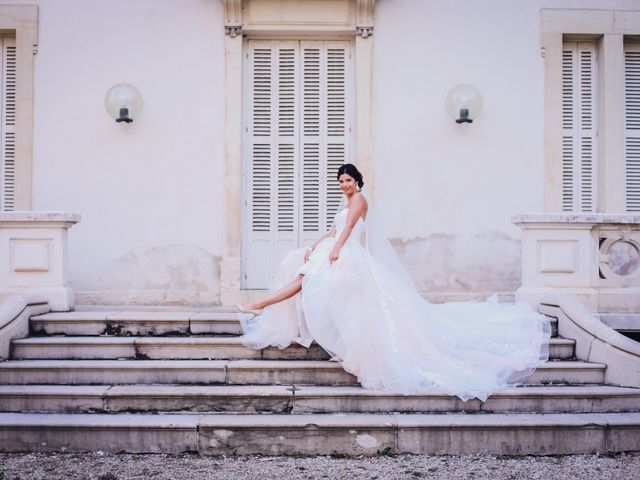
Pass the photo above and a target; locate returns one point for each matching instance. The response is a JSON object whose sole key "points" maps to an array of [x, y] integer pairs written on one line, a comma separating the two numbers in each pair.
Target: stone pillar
{"points": [[611, 172], [33, 255], [364, 92], [230, 270], [552, 51]]}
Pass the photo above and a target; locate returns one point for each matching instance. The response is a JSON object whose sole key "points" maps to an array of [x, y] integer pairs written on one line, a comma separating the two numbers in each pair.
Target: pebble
{"points": [[109, 466]]}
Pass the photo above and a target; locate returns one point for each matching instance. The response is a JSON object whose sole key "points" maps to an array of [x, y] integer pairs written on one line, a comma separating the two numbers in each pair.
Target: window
{"points": [[592, 109]]}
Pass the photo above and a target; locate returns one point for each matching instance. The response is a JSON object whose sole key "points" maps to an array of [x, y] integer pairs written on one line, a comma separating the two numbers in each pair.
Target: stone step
{"points": [[236, 372], [156, 348], [357, 434], [144, 322], [308, 399], [135, 323], [113, 347]]}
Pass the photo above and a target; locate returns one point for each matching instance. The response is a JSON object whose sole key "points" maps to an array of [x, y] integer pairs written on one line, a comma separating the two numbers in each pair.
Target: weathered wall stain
{"points": [[173, 274], [439, 264], [443, 266]]}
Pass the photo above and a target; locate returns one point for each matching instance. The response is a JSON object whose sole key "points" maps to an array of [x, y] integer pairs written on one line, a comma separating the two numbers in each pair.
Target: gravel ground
{"points": [[102, 466]]}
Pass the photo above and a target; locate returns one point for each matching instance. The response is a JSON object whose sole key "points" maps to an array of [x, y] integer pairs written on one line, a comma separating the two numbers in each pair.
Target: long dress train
{"points": [[382, 331]]}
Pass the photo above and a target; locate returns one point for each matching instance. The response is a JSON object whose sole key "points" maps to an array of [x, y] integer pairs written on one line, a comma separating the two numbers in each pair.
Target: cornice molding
{"points": [[364, 17], [233, 21], [233, 17]]}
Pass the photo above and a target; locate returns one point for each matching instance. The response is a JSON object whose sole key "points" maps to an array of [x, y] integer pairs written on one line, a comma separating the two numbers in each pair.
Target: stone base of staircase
{"points": [[165, 381], [322, 434]]}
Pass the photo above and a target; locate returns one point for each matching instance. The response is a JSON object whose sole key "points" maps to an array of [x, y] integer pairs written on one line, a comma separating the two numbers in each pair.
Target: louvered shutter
{"points": [[7, 123], [297, 136], [579, 125], [273, 149], [325, 133], [632, 125]]}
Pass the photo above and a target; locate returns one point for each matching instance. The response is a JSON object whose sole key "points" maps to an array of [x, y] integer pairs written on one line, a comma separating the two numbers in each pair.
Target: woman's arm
{"points": [[357, 206]]}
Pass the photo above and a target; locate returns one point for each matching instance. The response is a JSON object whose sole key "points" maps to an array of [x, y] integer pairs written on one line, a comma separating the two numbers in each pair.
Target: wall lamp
{"points": [[463, 103], [123, 102]]}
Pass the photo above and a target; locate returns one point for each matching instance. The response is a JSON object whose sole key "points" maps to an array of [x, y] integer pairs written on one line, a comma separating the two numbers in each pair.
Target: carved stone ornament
{"points": [[233, 32], [233, 17], [364, 17]]}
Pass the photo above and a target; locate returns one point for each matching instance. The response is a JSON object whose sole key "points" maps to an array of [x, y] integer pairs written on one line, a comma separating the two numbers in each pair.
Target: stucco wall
{"points": [[150, 193], [448, 191]]}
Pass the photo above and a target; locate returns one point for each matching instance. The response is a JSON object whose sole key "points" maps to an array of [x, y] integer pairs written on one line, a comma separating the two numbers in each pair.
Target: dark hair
{"points": [[351, 170]]}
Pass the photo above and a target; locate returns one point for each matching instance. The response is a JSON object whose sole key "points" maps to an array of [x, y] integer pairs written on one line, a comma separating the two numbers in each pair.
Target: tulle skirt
{"points": [[390, 338]]}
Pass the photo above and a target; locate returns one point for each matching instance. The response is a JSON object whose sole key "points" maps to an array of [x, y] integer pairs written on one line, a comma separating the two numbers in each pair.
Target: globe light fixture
{"points": [[123, 102], [463, 103]]}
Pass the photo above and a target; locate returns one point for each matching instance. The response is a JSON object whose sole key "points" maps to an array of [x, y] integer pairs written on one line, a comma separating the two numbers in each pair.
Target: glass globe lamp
{"points": [[123, 102], [463, 103]]}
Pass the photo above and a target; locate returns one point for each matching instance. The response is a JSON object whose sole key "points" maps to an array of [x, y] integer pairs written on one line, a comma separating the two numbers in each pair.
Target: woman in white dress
{"points": [[358, 302]]}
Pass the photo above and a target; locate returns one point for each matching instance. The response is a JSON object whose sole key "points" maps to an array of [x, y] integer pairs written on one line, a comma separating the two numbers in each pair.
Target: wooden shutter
{"points": [[632, 125], [579, 125], [273, 71], [326, 131], [297, 135], [7, 123]]}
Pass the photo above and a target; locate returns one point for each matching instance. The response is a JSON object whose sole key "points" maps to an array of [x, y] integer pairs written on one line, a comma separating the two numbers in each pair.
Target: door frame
{"points": [[267, 19], [301, 237]]}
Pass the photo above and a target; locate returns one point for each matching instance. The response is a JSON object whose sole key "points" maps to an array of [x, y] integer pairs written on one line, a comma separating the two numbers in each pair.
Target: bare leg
{"points": [[285, 292]]}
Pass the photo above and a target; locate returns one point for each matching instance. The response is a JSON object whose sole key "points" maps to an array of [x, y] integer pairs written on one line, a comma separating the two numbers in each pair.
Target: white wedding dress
{"points": [[375, 323]]}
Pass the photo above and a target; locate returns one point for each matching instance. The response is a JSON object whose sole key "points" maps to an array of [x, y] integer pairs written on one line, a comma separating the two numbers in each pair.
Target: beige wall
{"points": [[151, 193], [448, 191]]}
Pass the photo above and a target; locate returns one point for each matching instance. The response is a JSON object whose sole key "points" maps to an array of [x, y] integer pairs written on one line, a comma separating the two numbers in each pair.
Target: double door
{"points": [[298, 99]]}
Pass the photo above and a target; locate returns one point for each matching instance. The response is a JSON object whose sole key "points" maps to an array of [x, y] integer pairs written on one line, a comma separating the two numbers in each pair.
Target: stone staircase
{"points": [[169, 381]]}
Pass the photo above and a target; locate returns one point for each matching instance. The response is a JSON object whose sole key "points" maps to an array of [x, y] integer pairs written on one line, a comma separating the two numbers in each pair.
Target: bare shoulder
{"points": [[358, 200]]}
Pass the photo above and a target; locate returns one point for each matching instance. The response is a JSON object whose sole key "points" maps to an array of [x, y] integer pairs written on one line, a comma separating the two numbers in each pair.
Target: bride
{"points": [[358, 302]]}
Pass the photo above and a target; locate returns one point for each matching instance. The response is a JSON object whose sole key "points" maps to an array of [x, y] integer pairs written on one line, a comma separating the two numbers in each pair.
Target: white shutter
{"points": [[7, 123], [272, 150], [579, 125], [297, 135], [632, 125], [326, 131]]}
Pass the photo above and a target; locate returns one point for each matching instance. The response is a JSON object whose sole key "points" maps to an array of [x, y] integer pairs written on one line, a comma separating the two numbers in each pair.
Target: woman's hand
{"points": [[308, 254], [334, 254]]}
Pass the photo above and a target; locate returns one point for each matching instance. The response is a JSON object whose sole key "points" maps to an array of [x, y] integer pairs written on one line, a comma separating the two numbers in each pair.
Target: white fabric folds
{"points": [[366, 312]]}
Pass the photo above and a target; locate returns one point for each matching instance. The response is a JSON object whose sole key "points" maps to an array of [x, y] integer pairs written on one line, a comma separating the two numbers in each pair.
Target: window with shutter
{"points": [[579, 125], [297, 113], [632, 126], [7, 123]]}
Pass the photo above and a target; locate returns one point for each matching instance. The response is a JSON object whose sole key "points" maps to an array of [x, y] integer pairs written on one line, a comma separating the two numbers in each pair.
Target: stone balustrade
{"points": [[595, 256], [33, 255]]}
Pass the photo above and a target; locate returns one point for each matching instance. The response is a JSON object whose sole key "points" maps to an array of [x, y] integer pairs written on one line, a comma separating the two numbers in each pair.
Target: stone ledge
{"points": [[32, 216], [577, 218]]}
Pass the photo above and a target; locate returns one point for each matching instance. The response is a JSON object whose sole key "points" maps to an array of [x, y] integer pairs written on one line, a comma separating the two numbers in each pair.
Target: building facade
{"points": [[251, 105]]}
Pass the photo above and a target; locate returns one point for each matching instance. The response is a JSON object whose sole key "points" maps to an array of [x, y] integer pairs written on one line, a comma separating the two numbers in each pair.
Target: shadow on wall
{"points": [[170, 275], [449, 267]]}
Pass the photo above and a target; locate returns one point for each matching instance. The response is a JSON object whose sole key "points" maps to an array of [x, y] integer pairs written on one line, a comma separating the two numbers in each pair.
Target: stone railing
{"points": [[595, 341], [33, 256], [594, 256], [15, 312]]}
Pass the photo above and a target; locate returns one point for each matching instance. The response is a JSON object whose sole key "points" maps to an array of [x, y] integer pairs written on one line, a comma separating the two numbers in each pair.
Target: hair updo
{"points": [[351, 170]]}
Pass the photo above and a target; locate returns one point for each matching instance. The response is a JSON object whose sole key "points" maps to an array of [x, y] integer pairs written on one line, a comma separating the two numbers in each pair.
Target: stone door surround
{"points": [[281, 19]]}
